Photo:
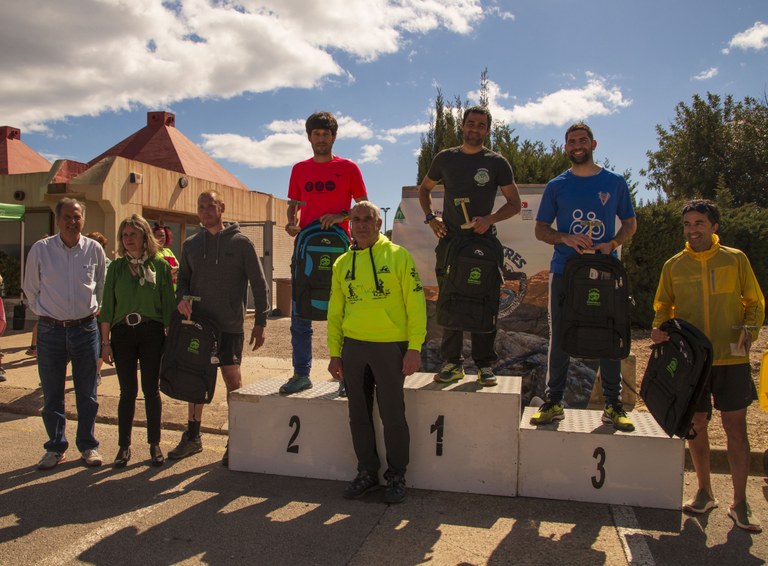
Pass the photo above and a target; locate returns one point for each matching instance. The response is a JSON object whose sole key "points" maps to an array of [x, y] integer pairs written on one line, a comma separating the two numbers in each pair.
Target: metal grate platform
{"points": [[271, 387], [589, 422], [507, 384]]}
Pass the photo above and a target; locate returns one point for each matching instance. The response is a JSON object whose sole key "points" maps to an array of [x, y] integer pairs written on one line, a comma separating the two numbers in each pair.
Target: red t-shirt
{"points": [[327, 188]]}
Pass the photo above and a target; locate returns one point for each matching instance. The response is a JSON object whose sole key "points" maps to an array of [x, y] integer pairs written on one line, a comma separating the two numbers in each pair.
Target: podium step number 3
{"points": [[582, 459]]}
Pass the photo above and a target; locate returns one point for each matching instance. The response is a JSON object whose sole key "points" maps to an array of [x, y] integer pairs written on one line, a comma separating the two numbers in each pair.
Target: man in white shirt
{"points": [[64, 280]]}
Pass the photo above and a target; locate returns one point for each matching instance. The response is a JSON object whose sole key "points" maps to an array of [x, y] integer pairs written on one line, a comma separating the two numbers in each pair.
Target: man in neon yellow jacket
{"points": [[714, 288], [377, 321]]}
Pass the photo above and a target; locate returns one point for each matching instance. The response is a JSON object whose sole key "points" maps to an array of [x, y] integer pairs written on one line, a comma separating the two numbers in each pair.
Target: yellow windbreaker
{"points": [[389, 309], [715, 290]]}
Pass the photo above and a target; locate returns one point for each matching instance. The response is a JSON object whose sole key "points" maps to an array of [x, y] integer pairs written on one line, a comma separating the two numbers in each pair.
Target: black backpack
{"points": [[187, 370], [677, 374], [595, 307], [470, 284], [315, 251]]}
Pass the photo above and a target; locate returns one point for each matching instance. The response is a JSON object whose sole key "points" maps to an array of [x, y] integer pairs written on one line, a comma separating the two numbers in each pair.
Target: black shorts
{"points": [[231, 349], [731, 387]]}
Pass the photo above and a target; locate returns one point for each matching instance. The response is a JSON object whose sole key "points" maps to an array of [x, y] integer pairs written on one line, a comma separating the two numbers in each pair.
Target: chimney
{"points": [[10, 133], [158, 119]]}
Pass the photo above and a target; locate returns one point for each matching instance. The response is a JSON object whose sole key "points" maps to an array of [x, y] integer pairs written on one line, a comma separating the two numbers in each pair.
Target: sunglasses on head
{"points": [[698, 207]]}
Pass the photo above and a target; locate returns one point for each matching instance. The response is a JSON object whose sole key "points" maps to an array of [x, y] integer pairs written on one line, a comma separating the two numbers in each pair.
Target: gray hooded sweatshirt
{"points": [[217, 268]]}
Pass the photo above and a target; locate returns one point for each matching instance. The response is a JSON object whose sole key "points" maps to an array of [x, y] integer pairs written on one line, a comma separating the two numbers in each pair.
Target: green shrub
{"points": [[659, 236], [746, 228]]}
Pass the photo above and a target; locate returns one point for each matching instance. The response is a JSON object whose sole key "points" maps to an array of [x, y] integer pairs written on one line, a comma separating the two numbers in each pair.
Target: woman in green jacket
{"points": [[135, 312]]}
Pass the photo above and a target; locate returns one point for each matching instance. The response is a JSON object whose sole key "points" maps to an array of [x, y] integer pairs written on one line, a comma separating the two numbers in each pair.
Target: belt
{"points": [[68, 323], [133, 319]]}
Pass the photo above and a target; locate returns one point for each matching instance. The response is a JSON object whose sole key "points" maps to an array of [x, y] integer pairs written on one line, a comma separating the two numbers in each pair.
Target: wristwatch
{"points": [[429, 218]]}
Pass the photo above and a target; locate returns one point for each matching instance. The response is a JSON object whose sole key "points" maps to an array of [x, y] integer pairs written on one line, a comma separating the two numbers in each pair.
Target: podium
{"points": [[464, 438], [582, 459]]}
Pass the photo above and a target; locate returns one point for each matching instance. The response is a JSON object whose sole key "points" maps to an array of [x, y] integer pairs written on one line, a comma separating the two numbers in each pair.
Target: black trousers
{"points": [[131, 344], [368, 366], [483, 347]]}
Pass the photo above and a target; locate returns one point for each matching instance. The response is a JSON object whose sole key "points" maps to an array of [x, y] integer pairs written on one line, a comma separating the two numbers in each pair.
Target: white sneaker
{"points": [[51, 460], [92, 458]]}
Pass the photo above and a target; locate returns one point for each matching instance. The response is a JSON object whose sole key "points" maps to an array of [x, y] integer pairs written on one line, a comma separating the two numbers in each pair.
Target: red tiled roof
{"points": [[18, 157], [68, 170], [159, 143]]}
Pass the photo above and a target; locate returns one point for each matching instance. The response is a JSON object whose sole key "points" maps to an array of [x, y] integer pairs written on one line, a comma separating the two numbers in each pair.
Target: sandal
{"points": [[742, 516], [156, 455], [701, 503], [123, 456]]}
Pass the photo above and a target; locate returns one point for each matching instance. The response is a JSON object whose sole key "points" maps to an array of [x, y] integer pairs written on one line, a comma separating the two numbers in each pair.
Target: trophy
{"points": [[741, 348], [590, 225], [467, 222], [191, 299], [293, 230]]}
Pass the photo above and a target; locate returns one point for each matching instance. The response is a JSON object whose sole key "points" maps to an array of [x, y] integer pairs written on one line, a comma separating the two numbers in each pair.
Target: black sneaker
{"points": [[186, 447], [364, 482], [225, 459], [395, 492]]}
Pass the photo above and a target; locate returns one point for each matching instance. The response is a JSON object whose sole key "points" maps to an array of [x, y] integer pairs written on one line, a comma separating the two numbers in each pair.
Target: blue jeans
{"points": [[558, 360], [56, 344], [301, 343]]}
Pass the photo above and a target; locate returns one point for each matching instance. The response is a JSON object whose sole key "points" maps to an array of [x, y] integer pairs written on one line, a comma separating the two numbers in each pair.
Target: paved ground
{"points": [[195, 511]]}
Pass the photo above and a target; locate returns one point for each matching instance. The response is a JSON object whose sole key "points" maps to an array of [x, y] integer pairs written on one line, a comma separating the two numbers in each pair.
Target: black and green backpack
{"points": [[470, 282], [595, 307]]}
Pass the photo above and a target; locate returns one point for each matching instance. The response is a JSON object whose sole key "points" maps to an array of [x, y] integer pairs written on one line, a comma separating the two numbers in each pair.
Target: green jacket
{"points": [[390, 309], [123, 294], [715, 290]]}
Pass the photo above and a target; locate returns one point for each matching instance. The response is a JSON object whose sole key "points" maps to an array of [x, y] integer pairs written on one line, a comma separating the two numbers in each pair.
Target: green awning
{"points": [[11, 211]]}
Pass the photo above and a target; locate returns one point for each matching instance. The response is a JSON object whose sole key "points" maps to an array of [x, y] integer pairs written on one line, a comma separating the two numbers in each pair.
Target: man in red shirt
{"points": [[326, 185]]}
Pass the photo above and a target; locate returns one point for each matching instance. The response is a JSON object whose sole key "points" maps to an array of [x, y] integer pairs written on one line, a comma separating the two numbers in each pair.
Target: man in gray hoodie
{"points": [[217, 264]]}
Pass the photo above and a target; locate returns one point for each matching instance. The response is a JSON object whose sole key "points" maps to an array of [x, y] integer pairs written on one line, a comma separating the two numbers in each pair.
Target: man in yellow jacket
{"points": [[714, 288], [377, 321]]}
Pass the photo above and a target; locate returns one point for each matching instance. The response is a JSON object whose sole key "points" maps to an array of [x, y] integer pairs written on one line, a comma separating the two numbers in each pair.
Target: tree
{"points": [[532, 161], [444, 131], [713, 144], [627, 174]]}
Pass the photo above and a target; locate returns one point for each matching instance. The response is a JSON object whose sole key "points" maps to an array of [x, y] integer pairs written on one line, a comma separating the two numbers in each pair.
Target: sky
{"points": [[241, 77]]}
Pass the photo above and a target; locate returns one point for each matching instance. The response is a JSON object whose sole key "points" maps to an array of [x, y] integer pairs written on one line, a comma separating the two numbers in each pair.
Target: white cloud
{"points": [[708, 74], [286, 145], [349, 128], [392, 134], [276, 150], [500, 13], [755, 38], [84, 57], [287, 126], [595, 98], [370, 153]]}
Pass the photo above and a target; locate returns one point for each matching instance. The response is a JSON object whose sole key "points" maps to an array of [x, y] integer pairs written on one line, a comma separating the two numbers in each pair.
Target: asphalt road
{"points": [[197, 512]]}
